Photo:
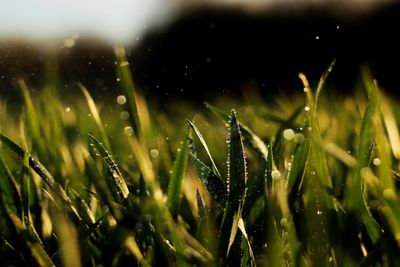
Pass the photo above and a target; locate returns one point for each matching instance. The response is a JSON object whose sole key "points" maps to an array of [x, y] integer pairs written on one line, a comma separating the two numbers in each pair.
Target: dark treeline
{"points": [[212, 51]]}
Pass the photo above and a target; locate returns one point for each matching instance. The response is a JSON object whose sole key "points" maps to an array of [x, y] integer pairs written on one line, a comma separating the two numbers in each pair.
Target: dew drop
{"points": [[67, 109], [307, 108], [121, 99], [288, 134], [128, 130], [377, 161], [276, 174], [154, 153]]}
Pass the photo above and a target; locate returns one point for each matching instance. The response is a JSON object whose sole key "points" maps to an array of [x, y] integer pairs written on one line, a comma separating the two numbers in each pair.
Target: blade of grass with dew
{"points": [[236, 186], [111, 165], [178, 172], [248, 136], [37, 252], [204, 144], [210, 180], [321, 165], [42, 172], [354, 196], [316, 177], [296, 171], [248, 258], [96, 116]]}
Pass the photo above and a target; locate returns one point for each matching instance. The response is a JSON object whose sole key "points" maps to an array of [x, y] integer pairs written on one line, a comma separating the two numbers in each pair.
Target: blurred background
{"points": [[197, 49]]}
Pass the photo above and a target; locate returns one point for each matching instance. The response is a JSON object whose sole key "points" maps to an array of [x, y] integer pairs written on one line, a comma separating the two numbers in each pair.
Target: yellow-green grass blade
{"points": [[178, 173], [39, 168], [32, 121], [96, 116], [37, 251]]}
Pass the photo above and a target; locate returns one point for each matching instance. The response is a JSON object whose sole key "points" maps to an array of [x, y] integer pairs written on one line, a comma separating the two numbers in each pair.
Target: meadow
{"points": [[308, 179]]}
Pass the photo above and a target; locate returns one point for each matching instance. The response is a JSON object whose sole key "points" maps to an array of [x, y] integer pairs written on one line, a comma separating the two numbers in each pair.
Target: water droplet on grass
{"points": [[307, 108], [128, 130], [67, 109], [121, 99], [154, 153], [377, 161], [276, 174], [288, 134]]}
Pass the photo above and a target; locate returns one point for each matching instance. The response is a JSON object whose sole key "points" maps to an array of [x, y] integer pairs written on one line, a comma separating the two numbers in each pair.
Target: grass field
{"points": [[308, 179]]}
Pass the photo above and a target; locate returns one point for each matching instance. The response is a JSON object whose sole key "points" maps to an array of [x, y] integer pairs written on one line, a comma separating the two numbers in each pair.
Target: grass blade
{"points": [[111, 165], [37, 251], [248, 136], [178, 172], [204, 144], [211, 181]]}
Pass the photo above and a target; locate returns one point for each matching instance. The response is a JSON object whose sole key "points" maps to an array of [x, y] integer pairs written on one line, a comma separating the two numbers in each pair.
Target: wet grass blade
{"points": [[42, 172], [204, 144], [178, 172], [236, 186], [111, 165], [211, 181], [354, 196], [38, 253], [248, 135]]}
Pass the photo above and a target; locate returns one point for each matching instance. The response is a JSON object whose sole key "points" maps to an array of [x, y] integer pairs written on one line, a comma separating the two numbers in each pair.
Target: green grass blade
{"points": [[204, 144], [236, 185], [36, 250], [38, 167], [33, 122], [211, 181], [237, 174], [321, 165], [248, 135], [96, 116], [111, 165], [321, 82], [354, 196], [8, 192], [178, 172]]}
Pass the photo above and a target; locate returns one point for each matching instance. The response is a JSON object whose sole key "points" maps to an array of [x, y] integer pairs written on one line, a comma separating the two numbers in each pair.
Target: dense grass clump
{"points": [[303, 181]]}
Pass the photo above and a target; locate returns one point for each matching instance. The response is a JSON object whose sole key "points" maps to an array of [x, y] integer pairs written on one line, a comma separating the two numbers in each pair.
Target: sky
{"points": [[116, 21]]}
